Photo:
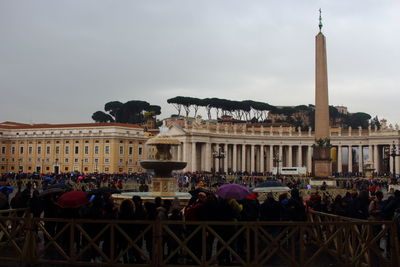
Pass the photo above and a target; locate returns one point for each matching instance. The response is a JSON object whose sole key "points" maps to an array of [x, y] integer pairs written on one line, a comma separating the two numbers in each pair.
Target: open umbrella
{"points": [[271, 186], [52, 191], [104, 190], [48, 179], [73, 199], [6, 189], [62, 186], [195, 192], [233, 191]]}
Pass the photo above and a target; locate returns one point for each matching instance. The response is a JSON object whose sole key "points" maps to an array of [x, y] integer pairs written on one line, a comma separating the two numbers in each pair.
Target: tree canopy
{"points": [[130, 112], [255, 111]]}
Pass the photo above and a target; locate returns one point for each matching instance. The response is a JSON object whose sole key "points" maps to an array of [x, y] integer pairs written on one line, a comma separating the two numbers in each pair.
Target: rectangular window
{"points": [[48, 150], [67, 150], [86, 150], [76, 160], [39, 150], [86, 160], [57, 150], [96, 160], [30, 159], [121, 150], [121, 160], [21, 150], [130, 150], [66, 160], [106, 160], [106, 169], [3, 150], [77, 150], [107, 150], [140, 151], [13, 150], [96, 150], [30, 150]]}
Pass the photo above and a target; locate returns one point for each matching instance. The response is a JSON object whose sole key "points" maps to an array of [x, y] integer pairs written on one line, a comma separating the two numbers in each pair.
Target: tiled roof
{"points": [[15, 125]]}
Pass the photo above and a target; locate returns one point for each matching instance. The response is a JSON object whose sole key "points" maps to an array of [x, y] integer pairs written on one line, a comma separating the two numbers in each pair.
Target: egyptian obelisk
{"points": [[322, 166]]}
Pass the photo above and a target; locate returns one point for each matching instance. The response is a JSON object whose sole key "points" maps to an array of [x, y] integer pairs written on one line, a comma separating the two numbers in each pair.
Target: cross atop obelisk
{"points": [[322, 166]]}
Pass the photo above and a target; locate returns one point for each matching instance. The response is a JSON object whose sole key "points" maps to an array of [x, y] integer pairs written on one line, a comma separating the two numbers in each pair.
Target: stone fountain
{"points": [[163, 183]]}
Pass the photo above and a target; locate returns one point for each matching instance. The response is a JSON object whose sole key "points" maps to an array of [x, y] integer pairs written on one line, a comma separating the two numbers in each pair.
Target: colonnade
{"points": [[225, 157], [235, 157]]}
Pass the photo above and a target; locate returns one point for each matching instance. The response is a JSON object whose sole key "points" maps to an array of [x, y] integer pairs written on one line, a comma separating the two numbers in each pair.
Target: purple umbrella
{"points": [[233, 191]]}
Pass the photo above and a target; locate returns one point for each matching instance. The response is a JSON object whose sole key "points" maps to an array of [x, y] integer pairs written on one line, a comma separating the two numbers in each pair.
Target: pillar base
{"points": [[322, 164], [163, 186]]}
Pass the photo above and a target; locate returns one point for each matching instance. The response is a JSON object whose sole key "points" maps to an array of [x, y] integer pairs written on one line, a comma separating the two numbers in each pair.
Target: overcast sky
{"points": [[60, 61]]}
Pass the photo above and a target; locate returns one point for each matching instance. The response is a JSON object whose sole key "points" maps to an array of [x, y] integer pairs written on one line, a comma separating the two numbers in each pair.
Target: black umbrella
{"points": [[195, 192], [104, 190], [60, 185], [271, 186]]}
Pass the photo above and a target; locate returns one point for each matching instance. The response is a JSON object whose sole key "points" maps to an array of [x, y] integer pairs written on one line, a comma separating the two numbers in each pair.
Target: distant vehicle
{"points": [[290, 170]]}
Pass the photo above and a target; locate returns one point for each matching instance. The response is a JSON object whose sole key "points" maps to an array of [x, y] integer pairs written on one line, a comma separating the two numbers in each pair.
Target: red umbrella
{"points": [[73, 199]]}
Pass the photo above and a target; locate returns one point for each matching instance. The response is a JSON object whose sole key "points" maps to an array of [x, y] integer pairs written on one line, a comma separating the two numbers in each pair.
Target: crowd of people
{"points": [[364, 200]]}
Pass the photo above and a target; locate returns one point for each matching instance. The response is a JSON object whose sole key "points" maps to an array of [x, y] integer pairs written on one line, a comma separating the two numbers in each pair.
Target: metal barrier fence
{"points": [[28, 240]]}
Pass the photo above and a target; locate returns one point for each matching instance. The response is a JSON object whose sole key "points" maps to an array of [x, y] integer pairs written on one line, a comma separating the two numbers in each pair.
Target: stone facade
{"points": [[257, 149], [85, 147]]}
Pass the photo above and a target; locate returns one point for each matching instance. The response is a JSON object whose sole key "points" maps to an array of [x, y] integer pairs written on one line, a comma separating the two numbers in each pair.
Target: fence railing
{"points": [[169, 243]]}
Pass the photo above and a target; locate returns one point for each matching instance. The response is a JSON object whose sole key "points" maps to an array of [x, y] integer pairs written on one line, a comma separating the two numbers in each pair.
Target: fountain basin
{"points": [[163, 168]]}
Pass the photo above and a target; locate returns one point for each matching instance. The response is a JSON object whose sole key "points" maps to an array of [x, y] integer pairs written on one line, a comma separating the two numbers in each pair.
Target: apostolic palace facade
{"points": [[84, 147]]}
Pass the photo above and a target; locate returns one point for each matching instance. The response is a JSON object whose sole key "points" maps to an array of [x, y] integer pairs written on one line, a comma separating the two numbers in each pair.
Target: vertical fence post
{"points": [[394, 244], [29, 255], [203, 244], [157, 240], [301, 246]]}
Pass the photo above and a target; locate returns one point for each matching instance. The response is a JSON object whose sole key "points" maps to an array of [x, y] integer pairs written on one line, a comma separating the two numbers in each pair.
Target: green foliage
{"points": [[100, 116], [129, 112]]}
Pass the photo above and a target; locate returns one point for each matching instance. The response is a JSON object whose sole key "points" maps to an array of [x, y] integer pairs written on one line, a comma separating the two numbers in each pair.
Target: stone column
{"points": [[243, 157], [376, 158], [397, 161], [216, 160], [299, 156], [194, 157], [234, 160], [391, 162], [271, 158], [180, 152], [226, 158], [339, 159], [360, 158], [184, 152], [370, 154], [280, 155], [208, 157], [350, 163], [309, 159], [262, 169], [290, 156], [252, 159]]}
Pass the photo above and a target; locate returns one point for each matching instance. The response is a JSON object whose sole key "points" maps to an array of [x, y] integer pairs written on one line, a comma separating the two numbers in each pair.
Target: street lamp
{"points": [[220, 154], [277, 160], [394, 153]]}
